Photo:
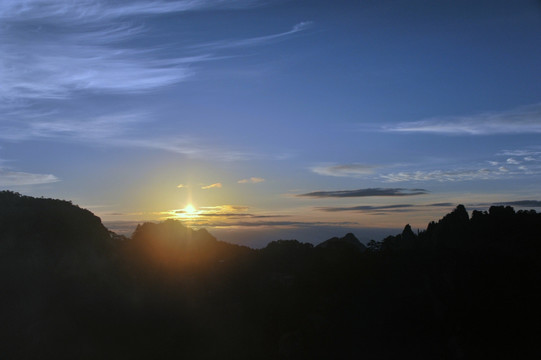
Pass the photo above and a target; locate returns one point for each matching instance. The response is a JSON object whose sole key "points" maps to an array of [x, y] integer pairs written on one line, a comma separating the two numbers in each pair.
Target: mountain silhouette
{"points": [[463, 288], [349, 241]]}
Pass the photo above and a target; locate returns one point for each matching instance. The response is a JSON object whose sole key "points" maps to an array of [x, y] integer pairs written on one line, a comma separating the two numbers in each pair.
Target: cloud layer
{"points": [[505, 164], [255, 41], [366, 208], [365, 193], [524, 120], [212, 186], [238, 216], [252, 180], [55, 49], [14, 178], [349, 170], [58, 50]]}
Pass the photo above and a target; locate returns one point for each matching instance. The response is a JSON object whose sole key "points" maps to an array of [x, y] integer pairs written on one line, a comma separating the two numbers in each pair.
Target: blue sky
{"points": [[282, 118]]}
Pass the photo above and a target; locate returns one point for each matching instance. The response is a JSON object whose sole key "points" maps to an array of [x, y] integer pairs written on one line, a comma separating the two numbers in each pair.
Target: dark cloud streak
{"points": [[367, 208], [384, 209], [365, 193]]}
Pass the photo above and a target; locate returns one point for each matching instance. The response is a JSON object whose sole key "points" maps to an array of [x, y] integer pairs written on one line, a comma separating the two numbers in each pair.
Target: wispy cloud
{"points": [[365, 193], [118, 130], [56, 49], [223, 208], [252, 180], [512, 161], [520, 152], [187, 146], [505, 164], [349, 170], [14, 178], [102, 9], [212, 186], [278, 223], [241, 215], [521, 163], [255, 41], [442, 175], [523, 120], [99, 128], [9, 178]]}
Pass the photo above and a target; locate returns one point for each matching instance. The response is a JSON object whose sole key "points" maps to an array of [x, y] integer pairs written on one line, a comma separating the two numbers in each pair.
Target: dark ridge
{"points": [[349, 241], [464, 288]]}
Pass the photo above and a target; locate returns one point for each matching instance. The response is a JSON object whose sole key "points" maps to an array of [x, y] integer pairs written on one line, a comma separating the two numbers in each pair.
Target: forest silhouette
{"points": [[464, 288]]}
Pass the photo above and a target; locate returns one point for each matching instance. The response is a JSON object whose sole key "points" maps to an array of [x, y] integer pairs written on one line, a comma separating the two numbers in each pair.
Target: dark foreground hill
{"points": [[466, 288]]}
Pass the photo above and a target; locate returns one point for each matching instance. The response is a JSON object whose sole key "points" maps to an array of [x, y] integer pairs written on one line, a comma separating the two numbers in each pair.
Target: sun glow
{"points": [[189, 212]]}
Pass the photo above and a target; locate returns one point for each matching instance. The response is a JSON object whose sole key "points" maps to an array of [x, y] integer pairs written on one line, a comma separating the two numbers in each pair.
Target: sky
{"points": [[267, 119]]}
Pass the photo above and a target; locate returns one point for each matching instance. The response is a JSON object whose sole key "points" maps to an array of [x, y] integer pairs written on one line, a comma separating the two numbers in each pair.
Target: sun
{"points": [[189, 212], [189, 209]]}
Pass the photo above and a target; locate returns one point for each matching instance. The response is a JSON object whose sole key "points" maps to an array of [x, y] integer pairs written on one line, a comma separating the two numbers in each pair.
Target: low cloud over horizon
{"points": [[384, 208], [365, 193]]}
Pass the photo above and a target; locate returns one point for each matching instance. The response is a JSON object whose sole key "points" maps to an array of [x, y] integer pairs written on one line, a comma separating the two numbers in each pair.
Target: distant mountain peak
{"points": [[349, 240]]}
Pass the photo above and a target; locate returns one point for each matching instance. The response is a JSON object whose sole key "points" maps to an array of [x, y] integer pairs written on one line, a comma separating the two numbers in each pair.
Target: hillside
{"points": [[464, 288]]}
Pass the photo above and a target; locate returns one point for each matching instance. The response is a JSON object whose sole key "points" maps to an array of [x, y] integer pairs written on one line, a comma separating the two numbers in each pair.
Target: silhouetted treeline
{"points": [[464, 288]]}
